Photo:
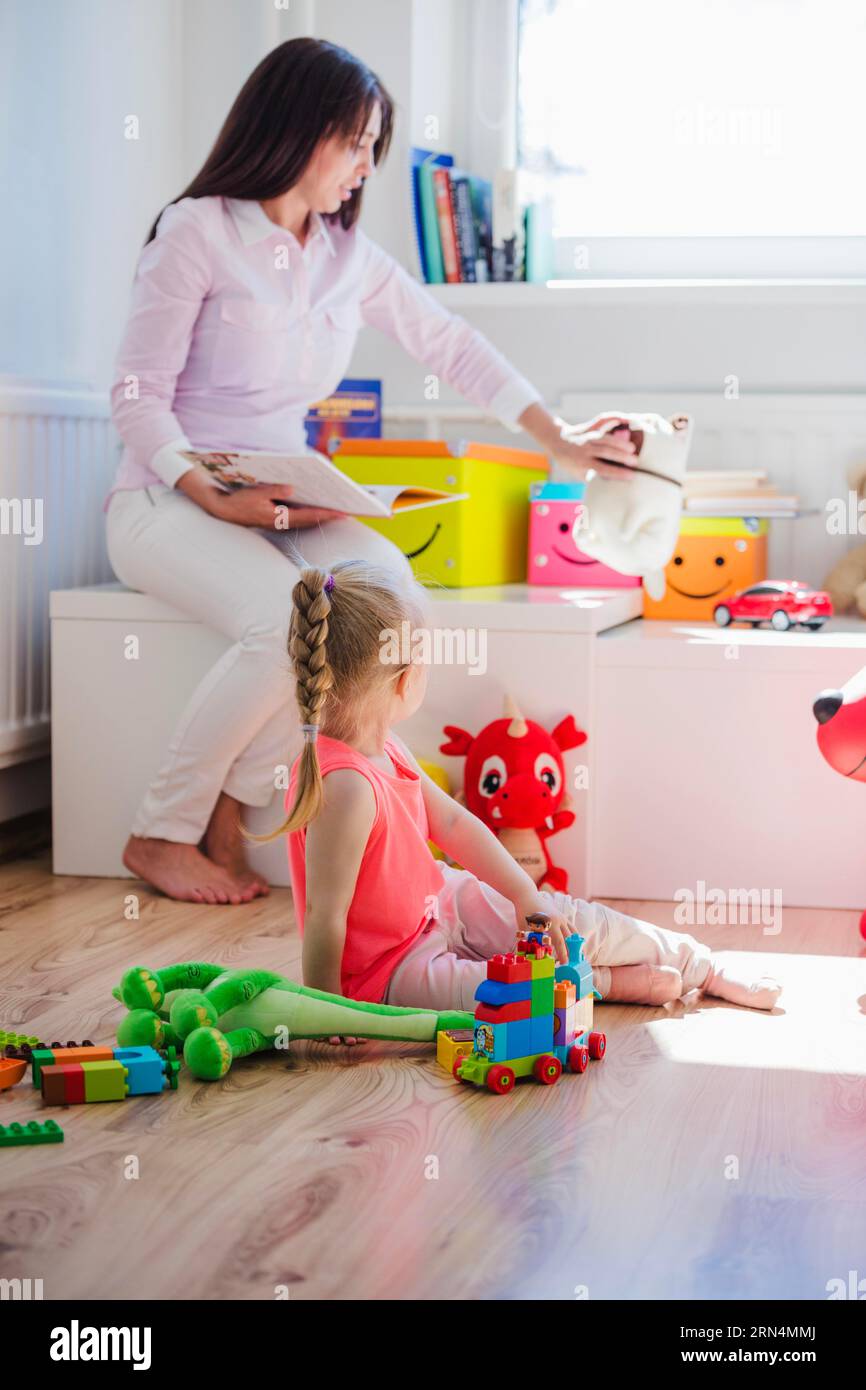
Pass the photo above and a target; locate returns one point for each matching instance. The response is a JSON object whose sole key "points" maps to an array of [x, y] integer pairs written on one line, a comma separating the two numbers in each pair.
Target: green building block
{"points": [[42, 1057], [17, 1040], [542, 997], [104, 1081], [32, 1133]]}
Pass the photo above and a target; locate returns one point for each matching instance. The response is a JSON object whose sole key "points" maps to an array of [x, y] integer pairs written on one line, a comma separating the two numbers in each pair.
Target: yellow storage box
{"points": [[481, 539], [715, 558]]}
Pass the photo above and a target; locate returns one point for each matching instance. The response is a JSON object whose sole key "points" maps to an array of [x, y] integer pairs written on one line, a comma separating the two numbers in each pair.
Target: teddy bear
{"points": [[846, 582], [633, 525]]}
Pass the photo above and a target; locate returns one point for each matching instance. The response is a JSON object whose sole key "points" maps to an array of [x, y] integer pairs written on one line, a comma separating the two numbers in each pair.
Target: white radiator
{"points": [[58, 453]]}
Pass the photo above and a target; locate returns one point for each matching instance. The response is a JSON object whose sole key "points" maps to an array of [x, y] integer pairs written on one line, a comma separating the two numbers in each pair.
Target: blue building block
{"points": [[146, 1070], [498, 992], [578, 970], [519, 1038], [492, 1040], [542, 1033]]}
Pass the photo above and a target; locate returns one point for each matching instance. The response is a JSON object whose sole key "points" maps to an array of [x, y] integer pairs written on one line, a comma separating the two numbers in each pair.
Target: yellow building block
{"points": [[715, 558], [479, 540], [542, 968], [452, 1043]]}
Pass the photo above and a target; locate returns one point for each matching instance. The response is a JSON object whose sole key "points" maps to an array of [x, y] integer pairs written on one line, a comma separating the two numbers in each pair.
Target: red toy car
{"points": [[782, 603]]}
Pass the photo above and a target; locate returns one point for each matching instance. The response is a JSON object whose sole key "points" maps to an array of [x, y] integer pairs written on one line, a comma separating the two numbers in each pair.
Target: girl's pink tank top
{"points": [[398, 882]]}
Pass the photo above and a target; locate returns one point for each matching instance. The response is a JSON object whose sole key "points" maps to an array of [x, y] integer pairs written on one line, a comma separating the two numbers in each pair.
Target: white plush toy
{"points": [[633, 525]]}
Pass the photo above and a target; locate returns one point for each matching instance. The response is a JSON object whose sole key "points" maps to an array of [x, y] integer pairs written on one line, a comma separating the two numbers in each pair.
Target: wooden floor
{"points": [[715, 1153]]}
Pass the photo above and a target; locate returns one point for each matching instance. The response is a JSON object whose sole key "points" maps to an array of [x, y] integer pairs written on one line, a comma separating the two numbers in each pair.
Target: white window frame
{"points": [[792, 260]]}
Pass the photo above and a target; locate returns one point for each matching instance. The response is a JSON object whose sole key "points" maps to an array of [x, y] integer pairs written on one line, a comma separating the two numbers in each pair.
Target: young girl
{"points": [[382, 919]]}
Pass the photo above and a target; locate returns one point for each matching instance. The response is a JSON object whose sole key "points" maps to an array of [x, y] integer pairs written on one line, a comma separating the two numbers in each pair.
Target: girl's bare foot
{"points": [[225, 846], [638, 984], [181, 871]]}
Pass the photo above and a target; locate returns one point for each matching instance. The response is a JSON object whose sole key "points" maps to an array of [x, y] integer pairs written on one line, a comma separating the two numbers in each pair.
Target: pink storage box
{"points": [[553, 556]]}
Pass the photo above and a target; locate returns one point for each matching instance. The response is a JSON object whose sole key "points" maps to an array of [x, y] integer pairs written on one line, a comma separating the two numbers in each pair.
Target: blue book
{"points": [[424, 208], [352, 411]]}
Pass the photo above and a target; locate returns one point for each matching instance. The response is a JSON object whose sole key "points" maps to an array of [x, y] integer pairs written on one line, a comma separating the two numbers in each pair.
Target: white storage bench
{"points": [[112, 718], [708, 770]]}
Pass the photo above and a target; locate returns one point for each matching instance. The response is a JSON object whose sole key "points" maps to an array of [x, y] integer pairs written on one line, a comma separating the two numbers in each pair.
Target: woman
{"points": [[245, 308]]}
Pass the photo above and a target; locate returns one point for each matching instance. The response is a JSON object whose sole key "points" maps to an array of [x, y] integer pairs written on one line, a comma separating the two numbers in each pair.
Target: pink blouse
{"points": [[235, 329]]}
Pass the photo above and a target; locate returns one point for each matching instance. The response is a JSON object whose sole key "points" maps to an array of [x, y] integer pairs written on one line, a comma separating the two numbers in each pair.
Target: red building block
{"points": [[509, 969], [63, 1084], [504, 1013]]}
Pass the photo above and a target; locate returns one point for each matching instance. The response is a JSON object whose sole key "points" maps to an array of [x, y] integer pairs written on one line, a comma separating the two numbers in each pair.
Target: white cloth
{"points": [[241, 721], [633, 525], [474, 922]]}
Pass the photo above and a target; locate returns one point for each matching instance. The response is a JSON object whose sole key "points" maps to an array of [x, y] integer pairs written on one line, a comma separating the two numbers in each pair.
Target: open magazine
{"points": [[316, 482]]}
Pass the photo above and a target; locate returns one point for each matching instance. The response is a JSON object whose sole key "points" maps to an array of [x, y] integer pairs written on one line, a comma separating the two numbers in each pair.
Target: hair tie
{"points": [[310, 732], [329, 584]]}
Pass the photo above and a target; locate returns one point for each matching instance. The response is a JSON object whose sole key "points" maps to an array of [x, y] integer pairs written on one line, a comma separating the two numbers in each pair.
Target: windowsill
{"points": [[557, 294]]}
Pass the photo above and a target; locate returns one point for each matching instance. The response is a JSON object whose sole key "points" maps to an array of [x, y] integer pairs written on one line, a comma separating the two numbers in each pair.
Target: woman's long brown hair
{"points": [[301, 93]]}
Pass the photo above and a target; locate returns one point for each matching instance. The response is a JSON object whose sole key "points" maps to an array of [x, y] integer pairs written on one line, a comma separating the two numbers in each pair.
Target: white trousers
{"points": [[241, 722], [473, 922]]}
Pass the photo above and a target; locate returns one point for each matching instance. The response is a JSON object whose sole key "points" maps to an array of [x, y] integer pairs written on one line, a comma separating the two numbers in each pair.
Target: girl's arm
{"points": [[468, 840], [336, 841]]}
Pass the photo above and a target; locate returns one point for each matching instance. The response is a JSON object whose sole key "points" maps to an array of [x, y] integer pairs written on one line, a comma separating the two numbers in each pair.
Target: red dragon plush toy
{"points": [[515, 782]]}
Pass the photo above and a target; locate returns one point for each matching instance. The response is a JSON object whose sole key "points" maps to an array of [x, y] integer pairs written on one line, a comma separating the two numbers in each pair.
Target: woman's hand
{"points": [[581, 448], [268, 506], [595, 445], [337, 1041]]}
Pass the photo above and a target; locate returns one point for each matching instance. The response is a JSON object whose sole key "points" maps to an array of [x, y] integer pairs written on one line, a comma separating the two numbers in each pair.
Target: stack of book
{"points": [[736, 492], [467, 228]]}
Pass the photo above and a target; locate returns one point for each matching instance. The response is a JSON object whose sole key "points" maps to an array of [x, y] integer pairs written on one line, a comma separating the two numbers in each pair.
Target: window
{"points": [[696, 137]]}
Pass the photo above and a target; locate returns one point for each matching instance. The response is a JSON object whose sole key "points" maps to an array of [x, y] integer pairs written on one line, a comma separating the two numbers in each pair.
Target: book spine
{"points": [[465, 228], [447, 234], [481, 195], [430, 218]]}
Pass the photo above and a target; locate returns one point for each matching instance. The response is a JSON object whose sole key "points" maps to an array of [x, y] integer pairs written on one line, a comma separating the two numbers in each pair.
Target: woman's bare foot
{"points": [[181, 871], [225, 846]]}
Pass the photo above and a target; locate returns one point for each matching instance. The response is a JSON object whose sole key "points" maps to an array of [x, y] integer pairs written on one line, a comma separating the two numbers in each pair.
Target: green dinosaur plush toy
{"points": [[220, 1014]]}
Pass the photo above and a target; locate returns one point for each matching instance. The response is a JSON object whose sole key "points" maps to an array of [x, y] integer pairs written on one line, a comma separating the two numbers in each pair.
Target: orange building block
{"points": [[715, 558], [69, 1056]]}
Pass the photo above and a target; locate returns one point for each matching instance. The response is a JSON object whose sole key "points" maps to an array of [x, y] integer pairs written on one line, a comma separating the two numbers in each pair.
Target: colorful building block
{"points": [[145, 1070], [496, 992], [509, 969], [554, 555], [12, 1071], [18, 1040], [104, 1081], [480, 539], [564, 1025], [542, 997], [557, 1035], [62, 1084], [564, 994], [542, 1033], [519, 1038], [543, 968], [509, 1012], [492, 1040], [31, 1133], [452, 1043], [105, 1074], [714, 559]]}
